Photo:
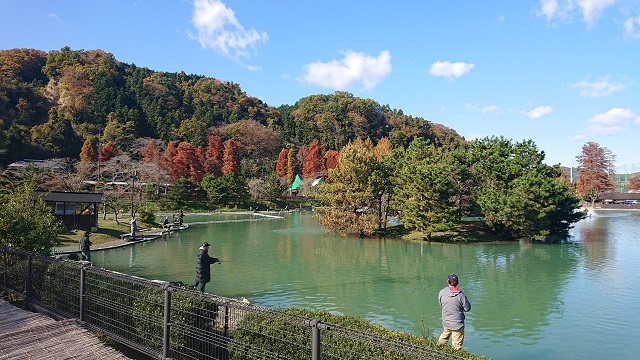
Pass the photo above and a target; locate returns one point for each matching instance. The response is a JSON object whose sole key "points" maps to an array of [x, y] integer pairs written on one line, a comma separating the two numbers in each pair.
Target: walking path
{"points": [[28, 335], [141, 237]]}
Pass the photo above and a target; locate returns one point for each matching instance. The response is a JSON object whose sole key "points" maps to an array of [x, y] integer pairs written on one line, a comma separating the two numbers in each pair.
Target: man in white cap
{"points": [[454, 304]]}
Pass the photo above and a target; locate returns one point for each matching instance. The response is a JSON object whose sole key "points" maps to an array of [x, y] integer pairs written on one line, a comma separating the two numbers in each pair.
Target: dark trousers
{"points": [[86, 255], [202, 284]]}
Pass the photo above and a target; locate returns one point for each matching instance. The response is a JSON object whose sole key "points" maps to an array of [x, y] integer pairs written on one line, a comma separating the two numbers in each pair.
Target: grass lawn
{"points": [[108, 230]]}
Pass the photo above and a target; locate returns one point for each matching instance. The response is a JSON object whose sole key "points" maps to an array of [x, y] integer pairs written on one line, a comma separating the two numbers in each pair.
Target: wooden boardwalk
{"points": [[28, 335]]}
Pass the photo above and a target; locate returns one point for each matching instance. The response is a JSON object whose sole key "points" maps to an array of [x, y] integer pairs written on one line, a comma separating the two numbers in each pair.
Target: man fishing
{"points": [[454, 304], [203, 266]]}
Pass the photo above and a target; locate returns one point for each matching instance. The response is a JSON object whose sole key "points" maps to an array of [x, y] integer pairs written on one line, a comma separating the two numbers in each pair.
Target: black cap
{"points": [[87, 232], [453, 279], [206, 244]]}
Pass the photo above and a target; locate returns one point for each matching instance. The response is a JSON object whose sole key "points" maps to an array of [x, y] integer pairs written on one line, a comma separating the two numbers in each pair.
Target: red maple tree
{"points": [[231, 158], [595, 165], [331, 159], [187, 164], [281, 164], [313, 161], [213, 155], [167, 159], [109, 151], [151, 152]]}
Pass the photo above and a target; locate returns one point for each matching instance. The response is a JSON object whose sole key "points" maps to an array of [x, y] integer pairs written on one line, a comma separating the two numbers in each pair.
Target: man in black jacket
{"points": [[85, 246], [203, 269]]}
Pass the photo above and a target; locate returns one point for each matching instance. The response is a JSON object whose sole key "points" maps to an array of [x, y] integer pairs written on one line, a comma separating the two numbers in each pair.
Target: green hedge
{"points": [[258, 334]]}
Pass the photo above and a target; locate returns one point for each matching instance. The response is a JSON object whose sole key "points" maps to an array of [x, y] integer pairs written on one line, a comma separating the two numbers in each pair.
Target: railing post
{"points": [[167, 323], [226, 320], [316, 326], [27, 287], [83, 291], [4, 266]]}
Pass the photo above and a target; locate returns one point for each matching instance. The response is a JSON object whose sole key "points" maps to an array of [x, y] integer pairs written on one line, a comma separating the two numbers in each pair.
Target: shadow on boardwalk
{"points": [[28, 335]]}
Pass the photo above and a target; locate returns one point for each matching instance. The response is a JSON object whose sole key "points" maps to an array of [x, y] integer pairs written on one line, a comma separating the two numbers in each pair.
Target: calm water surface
{"points": [[576, 300]]}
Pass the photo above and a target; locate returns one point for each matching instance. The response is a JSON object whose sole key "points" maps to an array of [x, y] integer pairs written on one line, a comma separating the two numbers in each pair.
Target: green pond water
{"points": [[574, 300]]}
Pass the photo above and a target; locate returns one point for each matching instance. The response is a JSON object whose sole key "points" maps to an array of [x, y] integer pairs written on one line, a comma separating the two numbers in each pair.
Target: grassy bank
{"points": [[108, 230]]}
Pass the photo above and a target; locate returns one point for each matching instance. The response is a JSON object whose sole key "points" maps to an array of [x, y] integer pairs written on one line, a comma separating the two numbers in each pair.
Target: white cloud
{"points": [[564, 9], [538, 112], [450, 70], [353, 68], [612, 122], [490, 109], [554, 9], [55, 16], [578, 137], [591, 9], [218, 28], [598, 88], [632, 27], [548, 9], [253, 67]]}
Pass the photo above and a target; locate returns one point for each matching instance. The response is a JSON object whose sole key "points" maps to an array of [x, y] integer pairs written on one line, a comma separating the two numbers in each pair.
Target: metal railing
{"points": [[168, 321]]}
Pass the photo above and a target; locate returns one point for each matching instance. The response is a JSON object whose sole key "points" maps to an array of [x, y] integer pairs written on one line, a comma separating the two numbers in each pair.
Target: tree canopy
{"points": [[505, 183], [595, 165], [206, 136], [26, 221]]}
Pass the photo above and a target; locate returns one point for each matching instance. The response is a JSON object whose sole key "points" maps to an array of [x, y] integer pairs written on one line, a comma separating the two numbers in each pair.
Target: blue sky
{"points": [[559, 72]]}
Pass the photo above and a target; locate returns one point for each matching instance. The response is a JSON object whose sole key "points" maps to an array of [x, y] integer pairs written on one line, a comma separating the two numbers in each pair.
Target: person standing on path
{"points": [[134, 228], [85, 246], [454, 304], [203, 268]]}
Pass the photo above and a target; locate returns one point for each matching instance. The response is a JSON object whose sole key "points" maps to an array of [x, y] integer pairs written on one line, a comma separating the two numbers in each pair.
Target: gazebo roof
{"points": [[76, 197]]}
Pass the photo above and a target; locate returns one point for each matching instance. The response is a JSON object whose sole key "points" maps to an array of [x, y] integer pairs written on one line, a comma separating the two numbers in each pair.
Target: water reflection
{"points": [[530, 300], [520, 288]]}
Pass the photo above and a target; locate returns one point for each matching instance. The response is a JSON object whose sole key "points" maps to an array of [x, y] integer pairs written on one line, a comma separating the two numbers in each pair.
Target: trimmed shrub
{"points": [[263, 333]]}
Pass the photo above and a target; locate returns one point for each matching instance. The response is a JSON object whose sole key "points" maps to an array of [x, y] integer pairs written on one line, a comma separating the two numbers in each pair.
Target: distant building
{"points": [[26, 162], [621, 201], [618, 197]]}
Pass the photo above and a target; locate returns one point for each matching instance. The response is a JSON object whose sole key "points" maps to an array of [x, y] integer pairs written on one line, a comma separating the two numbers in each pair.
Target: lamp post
{"points": [[99, 151], [133, 186]]}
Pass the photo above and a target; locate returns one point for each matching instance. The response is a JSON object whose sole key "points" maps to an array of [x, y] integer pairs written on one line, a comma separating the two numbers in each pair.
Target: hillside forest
{"points": [[98, 122]]}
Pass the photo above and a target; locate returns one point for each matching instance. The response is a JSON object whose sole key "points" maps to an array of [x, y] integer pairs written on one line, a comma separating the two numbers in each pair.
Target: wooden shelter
{"points": [[76, 210]]}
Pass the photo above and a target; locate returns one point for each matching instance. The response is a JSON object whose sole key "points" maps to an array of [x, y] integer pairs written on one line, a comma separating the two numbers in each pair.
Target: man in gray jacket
{"points": [[454, 304]]}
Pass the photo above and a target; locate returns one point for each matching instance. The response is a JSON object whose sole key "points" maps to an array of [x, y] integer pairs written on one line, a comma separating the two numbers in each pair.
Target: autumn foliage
{"points": [[312, 160], [634, 183], [167, 160], [281, 164], [595, 163], [187, 164], [89, 152], [331, 159], [231, 158], [109, 151], [213, 155], [151, 152]]}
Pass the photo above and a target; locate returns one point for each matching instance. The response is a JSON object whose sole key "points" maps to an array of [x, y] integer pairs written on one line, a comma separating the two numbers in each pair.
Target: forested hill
{"points": [[51, 102]]}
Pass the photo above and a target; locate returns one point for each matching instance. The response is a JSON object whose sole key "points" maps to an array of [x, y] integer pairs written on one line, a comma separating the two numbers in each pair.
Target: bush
{"points": [[147, 217], [190, 316], [256, 333]]}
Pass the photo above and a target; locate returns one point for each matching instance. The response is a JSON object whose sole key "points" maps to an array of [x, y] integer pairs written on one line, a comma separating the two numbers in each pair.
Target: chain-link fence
{"points": [[168, 321]]}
